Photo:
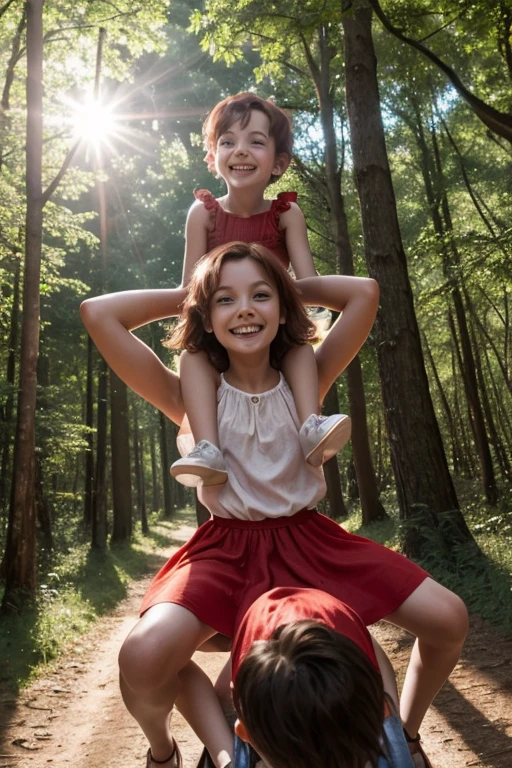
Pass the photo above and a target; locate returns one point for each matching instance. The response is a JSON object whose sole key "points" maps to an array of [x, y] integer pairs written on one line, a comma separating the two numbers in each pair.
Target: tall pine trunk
{"points": [[371, 505], [120, 456], [99, 501], [20, 560], [423, 482], [89, 423], [7, 412]]}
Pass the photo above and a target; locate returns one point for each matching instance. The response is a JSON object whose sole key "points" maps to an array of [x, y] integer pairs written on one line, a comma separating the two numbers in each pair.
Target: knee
{"points": [[459, 619], [142, 664], [452, 621], [222, 688]]}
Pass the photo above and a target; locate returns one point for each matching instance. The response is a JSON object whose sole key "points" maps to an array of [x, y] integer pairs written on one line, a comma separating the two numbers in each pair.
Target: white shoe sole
{"points": [[193, 475], [331, 443]]}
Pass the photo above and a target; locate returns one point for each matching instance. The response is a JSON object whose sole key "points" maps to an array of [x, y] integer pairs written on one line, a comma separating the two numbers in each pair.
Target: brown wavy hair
{"points": [[191, 333], [238, 108], [310, 698]]}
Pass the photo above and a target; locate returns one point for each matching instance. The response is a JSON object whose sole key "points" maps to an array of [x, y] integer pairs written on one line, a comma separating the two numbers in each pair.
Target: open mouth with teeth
{"points": [[246, 330], [242, 167]]}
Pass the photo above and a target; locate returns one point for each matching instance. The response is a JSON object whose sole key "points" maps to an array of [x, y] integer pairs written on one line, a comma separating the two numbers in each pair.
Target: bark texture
{"points": [[423, 482]]}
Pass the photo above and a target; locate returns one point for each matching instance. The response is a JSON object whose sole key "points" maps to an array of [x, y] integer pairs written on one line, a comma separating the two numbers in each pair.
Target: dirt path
{"points": [[75, 717]]}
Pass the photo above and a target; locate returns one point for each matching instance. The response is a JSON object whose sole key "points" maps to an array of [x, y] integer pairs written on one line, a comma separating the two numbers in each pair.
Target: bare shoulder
{"points": [[198, 213], [292, 217]]}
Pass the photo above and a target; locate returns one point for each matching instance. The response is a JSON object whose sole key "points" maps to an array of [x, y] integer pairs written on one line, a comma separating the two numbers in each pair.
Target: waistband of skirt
{"points": [[299, 518]]}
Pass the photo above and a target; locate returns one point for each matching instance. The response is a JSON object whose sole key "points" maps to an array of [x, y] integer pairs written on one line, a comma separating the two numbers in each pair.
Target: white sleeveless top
{"points": [[267, 473]]}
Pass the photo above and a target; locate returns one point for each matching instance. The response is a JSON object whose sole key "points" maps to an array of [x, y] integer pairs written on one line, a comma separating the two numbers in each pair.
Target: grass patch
{"points": [[484, 581], [77, 585]]}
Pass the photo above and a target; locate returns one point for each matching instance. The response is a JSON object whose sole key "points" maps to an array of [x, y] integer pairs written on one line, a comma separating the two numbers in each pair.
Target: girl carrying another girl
{"points": [[249, 145], [264, 531]]}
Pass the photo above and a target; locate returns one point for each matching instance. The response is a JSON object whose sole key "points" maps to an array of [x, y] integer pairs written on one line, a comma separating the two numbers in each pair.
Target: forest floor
{"points": [[74, 716]]}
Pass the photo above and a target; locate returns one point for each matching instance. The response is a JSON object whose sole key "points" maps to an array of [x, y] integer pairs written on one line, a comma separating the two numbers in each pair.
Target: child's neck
{"points": [[246, 202], [253, 376]]}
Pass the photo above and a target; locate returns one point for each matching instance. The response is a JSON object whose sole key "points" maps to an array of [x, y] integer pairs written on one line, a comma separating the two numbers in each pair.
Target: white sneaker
{"points": [[323, 436], [204, 465]]}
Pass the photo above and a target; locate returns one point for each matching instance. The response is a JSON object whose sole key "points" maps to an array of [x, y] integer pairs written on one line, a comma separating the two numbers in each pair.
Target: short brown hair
{"points": [[239, 107], [310, 698], [191, 334]]}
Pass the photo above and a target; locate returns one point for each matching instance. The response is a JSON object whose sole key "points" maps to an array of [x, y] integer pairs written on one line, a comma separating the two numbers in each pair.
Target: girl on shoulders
{"points": [[249, 145]]}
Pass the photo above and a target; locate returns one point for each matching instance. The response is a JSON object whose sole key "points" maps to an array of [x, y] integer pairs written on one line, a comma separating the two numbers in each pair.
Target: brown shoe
{"points": [[173, 761], [415, 748]]}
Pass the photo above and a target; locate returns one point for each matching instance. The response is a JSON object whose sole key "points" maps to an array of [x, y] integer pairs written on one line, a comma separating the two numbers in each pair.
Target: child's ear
{"points": [[282, 320], [281, 163], [241, 731], [209, 159]]}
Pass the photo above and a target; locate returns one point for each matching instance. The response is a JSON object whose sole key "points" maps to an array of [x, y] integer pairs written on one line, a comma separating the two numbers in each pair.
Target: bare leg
{"points": [[198, 381], [223, 690], [387, 672], [198, 703], [320, 437], [150, 661], [299, 368], [439, 620]]}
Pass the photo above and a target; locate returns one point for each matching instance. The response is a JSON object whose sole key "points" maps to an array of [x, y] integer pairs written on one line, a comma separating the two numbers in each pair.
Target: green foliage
{"points": [[77, 586], [483, 580]]}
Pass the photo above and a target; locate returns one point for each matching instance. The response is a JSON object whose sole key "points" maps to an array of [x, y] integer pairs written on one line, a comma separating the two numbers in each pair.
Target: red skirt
{"points": [[228, 564]]}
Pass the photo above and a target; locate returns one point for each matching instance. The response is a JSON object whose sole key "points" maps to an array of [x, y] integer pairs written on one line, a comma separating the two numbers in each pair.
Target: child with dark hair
{"points": [[264, 530], [308, 688], [249, 145]]}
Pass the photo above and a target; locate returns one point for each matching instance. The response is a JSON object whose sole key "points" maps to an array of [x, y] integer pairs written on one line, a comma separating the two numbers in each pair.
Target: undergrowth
{"points": [[77, 585], [481, 575]]}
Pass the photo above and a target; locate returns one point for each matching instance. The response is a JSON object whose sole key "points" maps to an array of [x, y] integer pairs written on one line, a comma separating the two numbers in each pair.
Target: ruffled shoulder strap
{"points": [[282, 204], [207, 199]]}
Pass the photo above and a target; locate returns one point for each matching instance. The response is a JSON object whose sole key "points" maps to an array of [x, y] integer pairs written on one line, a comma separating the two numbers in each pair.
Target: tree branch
{"points": [[498, 122], [58, 178]]}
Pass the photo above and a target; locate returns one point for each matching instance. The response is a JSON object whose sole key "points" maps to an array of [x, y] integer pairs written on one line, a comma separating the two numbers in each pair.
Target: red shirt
{"points": [[285, 605]]}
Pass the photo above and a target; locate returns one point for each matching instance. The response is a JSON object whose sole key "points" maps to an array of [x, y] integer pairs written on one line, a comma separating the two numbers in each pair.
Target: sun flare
{"points": [[94, 122]]}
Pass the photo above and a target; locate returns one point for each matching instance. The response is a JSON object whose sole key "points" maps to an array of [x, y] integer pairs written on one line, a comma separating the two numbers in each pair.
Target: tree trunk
{"points": [[20, 562], [43, 506], [451, 263], [120, 451], [371, 506], [499, 449], [456, 450], [164, 463], [99, 505], [178, 499], [468, 464], [89, 424], [337, 508], [10, 378], [155, 477], [424, 485], [140, 482]]}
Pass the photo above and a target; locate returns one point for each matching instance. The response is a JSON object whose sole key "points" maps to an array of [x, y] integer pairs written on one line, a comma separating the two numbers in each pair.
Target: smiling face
{"points": [[244, 309], [247, 156]]}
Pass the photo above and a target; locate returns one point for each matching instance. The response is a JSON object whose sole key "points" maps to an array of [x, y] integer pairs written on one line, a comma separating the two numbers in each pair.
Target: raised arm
{"points": [[196, 233], [297, 243], [110, 319], [357, 298]]}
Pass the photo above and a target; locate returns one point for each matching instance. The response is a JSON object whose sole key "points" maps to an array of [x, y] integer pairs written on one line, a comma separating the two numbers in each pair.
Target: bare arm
{"points": [[294, 224], [357, 298], [387, 672], [110, 319], [196, 232]]}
